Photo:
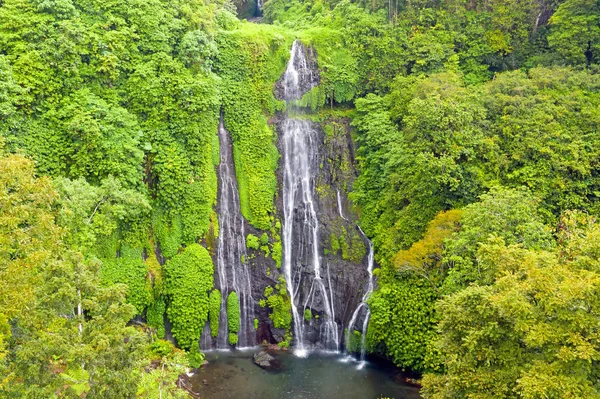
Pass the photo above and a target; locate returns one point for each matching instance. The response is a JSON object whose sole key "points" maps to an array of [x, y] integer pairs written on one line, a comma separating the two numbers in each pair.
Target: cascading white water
{"points": [[363, 303], [339, 203], [300, 145], [233, 270]]}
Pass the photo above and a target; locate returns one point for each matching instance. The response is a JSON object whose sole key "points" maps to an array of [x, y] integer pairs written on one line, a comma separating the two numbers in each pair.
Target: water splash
{"points": [[300, 145], [232, 269]]}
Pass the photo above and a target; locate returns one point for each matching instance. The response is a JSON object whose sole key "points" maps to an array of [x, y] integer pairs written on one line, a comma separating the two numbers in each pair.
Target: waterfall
{"points": [[339, 203], [363, 303], [232, 267], [300, 146]]}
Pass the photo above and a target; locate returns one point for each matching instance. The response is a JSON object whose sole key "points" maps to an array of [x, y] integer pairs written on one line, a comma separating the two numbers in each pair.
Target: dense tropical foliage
{"points": [[477, 133]]}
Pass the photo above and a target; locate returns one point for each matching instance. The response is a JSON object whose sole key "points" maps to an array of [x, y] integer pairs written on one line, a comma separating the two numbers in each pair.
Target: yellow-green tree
{"points": [[534, 332]]}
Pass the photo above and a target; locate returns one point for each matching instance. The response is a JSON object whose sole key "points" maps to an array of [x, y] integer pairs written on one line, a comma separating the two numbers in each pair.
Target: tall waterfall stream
{"points": [[307, 274], [232, 267], [300, 150]]}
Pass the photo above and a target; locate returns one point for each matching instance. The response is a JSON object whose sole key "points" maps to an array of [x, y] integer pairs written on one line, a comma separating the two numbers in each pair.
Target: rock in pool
{"points": [[266, 361]]}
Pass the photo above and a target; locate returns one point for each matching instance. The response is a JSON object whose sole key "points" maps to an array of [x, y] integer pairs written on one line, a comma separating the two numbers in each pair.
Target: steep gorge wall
{"points": [[341, 248]]}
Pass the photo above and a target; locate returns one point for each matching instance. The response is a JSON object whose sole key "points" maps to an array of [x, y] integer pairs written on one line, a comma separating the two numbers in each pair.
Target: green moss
{"points": [[349, 242], [279, 302], [335, 243], [131, 272], [307, 315], [264, 239], [357, 248], [276, 253], [266, 250], [256, 324], [252, 241], [214, 311], [233, 312], [344, 244]]}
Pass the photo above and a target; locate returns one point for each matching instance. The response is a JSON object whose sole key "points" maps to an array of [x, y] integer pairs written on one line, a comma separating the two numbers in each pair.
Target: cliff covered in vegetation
{"points": [[461, 136]]}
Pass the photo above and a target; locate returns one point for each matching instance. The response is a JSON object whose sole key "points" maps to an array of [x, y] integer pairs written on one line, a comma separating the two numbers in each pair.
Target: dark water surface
{"points": [[331, 376]]}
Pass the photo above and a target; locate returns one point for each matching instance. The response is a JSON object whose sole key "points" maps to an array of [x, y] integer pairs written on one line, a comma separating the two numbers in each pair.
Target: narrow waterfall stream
{"points": [[232, 268], [300, 145], [339, 204], [363, 304]]}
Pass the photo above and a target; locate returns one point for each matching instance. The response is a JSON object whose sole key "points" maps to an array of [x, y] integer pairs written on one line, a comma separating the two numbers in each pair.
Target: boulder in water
{"points": [[263, 359]]}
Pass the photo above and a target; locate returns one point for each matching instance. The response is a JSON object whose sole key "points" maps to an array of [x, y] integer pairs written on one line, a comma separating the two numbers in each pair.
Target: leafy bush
{"points": [[131, 272], [307, 315], [279, 301], [195, 357], [233, 338], [155, 316], [189, 278], [252, 241], [233, 312], [214, 311]]}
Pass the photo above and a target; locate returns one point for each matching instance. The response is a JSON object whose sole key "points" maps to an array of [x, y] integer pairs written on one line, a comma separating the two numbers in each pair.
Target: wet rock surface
{"points": [[263, 359], [266, 361]]}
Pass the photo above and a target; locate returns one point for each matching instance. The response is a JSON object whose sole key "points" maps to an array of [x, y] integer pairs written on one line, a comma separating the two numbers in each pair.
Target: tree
{"points": [[507, 213], [28, 238], [28, 233], [62, 320], [90, 213], [425, 257], [575, 31], [531, 334]]}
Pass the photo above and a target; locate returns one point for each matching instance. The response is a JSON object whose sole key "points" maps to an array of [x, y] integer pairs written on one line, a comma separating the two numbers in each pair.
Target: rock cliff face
{"points": [[324, 259], [340, 246]]}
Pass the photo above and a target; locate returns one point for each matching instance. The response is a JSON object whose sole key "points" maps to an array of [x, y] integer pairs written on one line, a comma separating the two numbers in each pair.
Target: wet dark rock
{"points": [[312, 336], [263, 359], [278, 334], [345, 278], [273, 347]]}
